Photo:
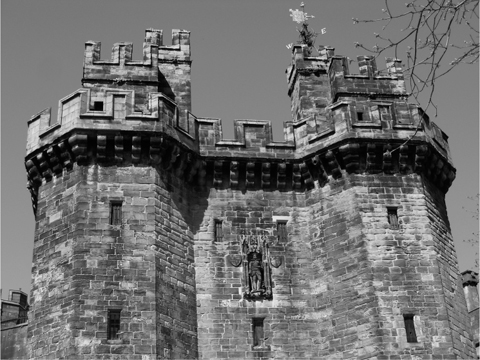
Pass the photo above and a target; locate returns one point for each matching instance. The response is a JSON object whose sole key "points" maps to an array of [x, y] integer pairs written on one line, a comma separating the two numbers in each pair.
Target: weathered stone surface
{"points": [[14, 342], [195, 208]]}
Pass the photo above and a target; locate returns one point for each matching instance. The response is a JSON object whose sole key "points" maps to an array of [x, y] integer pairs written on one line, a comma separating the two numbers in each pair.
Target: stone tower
{"points": [[157, 238]]}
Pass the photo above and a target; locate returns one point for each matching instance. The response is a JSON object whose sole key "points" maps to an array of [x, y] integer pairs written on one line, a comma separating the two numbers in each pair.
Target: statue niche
{"points": [[255, 273], [256, 268]]}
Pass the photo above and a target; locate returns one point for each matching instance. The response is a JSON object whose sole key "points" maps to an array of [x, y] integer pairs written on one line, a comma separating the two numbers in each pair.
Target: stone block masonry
{"points": [[86, 266], [158, 239], [346, 280]]}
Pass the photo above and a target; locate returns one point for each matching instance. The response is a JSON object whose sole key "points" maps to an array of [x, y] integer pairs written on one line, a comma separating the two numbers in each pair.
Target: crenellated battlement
{"points": [[121, 67], [127, 108], [369, 82], [337, 66]]}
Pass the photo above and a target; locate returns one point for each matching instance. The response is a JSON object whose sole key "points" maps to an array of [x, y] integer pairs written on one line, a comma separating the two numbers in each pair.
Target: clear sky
{"points": [[239, 59]]}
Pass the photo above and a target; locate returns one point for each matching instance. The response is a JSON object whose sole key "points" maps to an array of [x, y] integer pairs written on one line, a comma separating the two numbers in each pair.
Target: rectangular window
{"points": [[359, 115], [113, 323], [258, 334], [98, 106], [282, 231], [115, 213], [218, 231], [410, 327], [393, 218]]}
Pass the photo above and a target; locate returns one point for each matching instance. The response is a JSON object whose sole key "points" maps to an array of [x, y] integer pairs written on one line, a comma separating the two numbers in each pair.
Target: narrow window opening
{"points": [[218, 231], [116, 213], [282, 231], [393, 218], [258, 333], [98, 105], [410, 328], [359, 115], [113, 324]]}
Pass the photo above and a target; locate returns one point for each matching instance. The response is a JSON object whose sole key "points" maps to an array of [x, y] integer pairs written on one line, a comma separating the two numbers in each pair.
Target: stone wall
{"points": [[448, 276], [84, 266], [346, 278]]}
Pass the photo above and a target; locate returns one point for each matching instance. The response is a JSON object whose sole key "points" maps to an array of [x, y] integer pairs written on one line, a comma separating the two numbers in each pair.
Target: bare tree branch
{"points": [[429, 38]]}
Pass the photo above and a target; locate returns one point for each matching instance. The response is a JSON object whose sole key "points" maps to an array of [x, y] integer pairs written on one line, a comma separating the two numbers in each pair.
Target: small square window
{"points": [[113, 324], [218, 231], [115, 213], [360, 115], [393, 218], [98, 106], [410, 328], [282, 231]]}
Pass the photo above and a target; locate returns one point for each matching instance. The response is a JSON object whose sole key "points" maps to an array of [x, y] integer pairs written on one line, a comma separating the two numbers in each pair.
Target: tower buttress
{"points": [[112, 267]]}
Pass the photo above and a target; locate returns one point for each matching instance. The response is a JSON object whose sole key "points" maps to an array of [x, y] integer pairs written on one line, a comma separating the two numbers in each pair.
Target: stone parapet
{"points": [[121, 67], [120, 135]]}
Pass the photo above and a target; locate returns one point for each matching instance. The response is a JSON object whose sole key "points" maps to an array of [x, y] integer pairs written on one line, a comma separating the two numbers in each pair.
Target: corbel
{"points": [[79, 145], [250, 176], [282, 175], [387, 165], [65, 157], [266, 174], [217, 173], [371, 158], [420, 156], [322, 174], [403, 159], [306, 176], [54, 160], [136, 149], [33, 172], [297, 177], [333, 164], [351, 157], [174, 156], [118, 146], [101, 148], [234, 174], [44, 166]]}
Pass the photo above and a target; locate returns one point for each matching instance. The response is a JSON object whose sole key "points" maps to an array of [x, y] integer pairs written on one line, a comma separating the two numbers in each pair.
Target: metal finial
{"points": [[300, 16], [307, 37]]}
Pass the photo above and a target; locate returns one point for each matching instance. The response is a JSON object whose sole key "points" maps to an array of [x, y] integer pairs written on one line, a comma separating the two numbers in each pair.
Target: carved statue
{"points": [[256, 266], [255, 271]]}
